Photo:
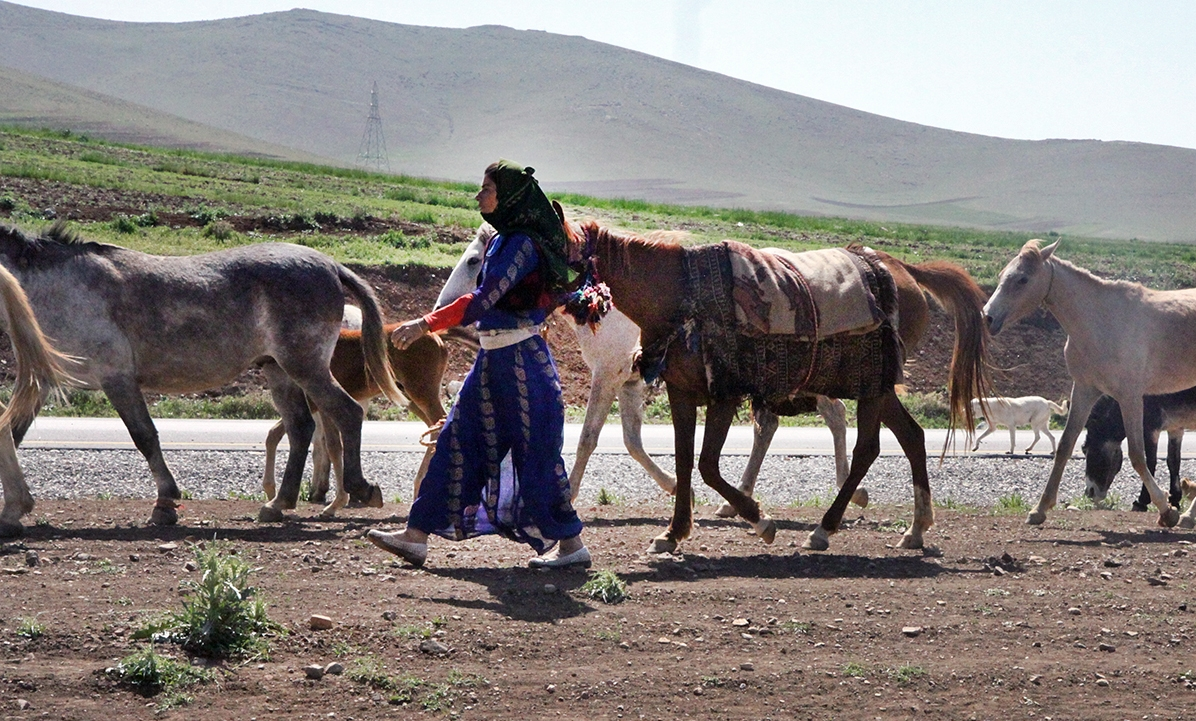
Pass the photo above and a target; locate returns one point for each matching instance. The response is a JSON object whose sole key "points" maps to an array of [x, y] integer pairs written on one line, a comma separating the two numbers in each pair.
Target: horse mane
{"points": [[46, 248], [591, 232]]}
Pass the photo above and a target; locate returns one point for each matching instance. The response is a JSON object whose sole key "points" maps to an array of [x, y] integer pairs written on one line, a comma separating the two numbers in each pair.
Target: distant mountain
{"points": [[598, 119], [33, 101]]}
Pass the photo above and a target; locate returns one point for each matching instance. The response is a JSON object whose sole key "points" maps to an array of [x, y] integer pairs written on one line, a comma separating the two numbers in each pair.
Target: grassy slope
{"points": [[600, 119], [221, 186]]}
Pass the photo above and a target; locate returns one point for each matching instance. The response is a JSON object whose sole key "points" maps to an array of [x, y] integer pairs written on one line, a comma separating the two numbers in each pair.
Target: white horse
{"points": [[1033, 411], [1123, 340], [610, 352], [39, 367]]}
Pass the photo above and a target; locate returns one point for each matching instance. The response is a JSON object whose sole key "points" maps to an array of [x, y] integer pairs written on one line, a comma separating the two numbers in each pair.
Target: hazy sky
{"points": [[1113, 70]]}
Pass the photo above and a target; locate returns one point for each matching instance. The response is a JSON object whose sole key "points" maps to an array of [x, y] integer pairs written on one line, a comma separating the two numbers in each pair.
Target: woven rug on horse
{"points": [[774, 367], [844, 301]]}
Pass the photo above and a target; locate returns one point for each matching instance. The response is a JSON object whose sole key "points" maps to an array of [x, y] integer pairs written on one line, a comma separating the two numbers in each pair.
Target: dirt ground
{"points": [[996, 619]]}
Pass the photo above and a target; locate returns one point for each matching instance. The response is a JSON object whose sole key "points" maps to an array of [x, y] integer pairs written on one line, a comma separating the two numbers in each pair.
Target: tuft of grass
{"points": [[818, 500], [1111, 502], [606, 498], [606, 586], [411, 631], [796, 627], [220, 230], [855, 670], [1011, 504], [221, 616], [149, 673], [905, 674], [31, 629]]}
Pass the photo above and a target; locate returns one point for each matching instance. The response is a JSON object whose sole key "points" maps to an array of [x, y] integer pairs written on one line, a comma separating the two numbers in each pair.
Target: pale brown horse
{"points": [[1123, 340], [647, 282], [418, 371]]}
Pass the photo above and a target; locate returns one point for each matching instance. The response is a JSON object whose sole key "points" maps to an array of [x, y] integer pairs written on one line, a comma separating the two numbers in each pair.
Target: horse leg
{"points": [[602, 397], [272, 440], [292, 405], [1131, 415], [125, 396], [764, 427], [684, 409], [330, 447], [17, 499], [321, 460], [1012, 438], [346, 415], [631, 412], [719, 416], [913, 442], [867, 448], [1175, 439], [834, 412], [1083, 397]]}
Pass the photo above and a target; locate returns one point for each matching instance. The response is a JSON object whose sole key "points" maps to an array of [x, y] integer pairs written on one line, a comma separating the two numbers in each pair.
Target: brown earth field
{"points": [[994, 620]]}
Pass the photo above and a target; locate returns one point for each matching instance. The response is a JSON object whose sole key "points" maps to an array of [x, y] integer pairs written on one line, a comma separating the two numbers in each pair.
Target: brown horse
{"points": [[648, 283]]}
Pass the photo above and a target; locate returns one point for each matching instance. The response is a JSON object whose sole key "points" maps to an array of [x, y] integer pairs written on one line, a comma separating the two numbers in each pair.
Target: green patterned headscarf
{"points": [[523, 208]]}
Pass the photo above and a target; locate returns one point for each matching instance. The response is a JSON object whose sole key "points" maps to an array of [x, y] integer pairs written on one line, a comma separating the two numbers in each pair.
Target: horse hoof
{"points": [[163, 516], [1187, 522], [662, 544], [766, 529], [1169, 517], [320, 500], [1036, 518], [328, 514], [373, 500], [10, 529], [818, 540], [269, 514], [910, 541], [726, 511], [860, 497]]}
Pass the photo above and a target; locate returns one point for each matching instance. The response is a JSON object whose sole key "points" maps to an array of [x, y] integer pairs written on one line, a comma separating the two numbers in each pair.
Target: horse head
{"points": [[1022, 285], [468, 270], [1102, 448]]}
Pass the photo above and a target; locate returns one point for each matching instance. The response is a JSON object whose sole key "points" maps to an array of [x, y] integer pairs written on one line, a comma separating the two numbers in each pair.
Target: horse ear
{"points": [[1049, 250], [560, 212]]}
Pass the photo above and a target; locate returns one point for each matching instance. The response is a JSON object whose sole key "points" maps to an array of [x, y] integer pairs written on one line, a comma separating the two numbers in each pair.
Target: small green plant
{"points": [[235, 495], [606, 498], [1083, 503], [713, 681], [31, 629], [221, 616], [607, 635], [795, 626], [855, 670], [818, 500], [1011, 504], [42, 522], [7, 203], [897, 525], [220, 230], [123, 224], [606, 586], [149, 673], [906, 674], [411, 631]]}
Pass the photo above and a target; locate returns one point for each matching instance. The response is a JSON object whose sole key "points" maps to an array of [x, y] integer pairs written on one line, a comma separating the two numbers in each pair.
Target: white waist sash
{"points": [[503, 337]]}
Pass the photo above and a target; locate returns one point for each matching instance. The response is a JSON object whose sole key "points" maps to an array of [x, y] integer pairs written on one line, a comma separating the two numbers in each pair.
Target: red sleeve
{"points": [[448, 316]]}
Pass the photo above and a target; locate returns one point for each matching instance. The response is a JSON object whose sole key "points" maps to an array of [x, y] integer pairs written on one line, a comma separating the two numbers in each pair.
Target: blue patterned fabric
{"points": [[510, 401]]}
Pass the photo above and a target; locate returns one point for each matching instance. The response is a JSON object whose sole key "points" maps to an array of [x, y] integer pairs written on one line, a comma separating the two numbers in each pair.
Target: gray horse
{"points": [[141, 322]]}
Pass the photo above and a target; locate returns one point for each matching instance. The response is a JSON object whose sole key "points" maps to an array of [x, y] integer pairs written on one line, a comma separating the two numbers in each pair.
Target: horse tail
{"points": [[373, 337], [962, 297], [39, 365]]}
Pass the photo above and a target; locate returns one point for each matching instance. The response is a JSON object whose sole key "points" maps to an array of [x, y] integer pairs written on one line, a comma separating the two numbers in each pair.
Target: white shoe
{"points": [[413, 553], [554, 559]]}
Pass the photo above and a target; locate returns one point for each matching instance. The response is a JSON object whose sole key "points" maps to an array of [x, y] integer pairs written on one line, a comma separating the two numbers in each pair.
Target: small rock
{"points": [[998, 571], [31, 558], [168, 547], [624, 645], [134, 557], [663, 639], [1038, 560], [336, 668], [1074, 611], [740, 622], [1154, 581], [1113, 563], [191, 566], [549, 588], [433, 647], [1036, 679], [389, 615], [550, 688], [698, 691], [315, 671], [1107, 647], [1102, 682], [320, 623], [747, 666], [912, 631], [1131, 634], [24, 705]]}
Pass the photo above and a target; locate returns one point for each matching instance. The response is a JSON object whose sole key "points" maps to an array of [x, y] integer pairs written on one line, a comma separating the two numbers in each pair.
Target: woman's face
{"points": [[487, 197]]}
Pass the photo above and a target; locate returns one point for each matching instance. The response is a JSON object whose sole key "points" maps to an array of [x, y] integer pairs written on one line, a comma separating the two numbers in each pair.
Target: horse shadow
{"points": [[519, 594]]}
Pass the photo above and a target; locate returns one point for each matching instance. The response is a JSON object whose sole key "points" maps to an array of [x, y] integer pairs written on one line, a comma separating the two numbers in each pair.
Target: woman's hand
{"points": [[408, 333]]}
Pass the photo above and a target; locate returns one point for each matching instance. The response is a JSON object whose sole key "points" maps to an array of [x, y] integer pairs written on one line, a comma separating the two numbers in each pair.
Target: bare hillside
{"points": [[599, 119]]}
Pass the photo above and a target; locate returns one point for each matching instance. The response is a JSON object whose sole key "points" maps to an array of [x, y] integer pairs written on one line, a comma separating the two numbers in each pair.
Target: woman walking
{"points": [[511, 399]]}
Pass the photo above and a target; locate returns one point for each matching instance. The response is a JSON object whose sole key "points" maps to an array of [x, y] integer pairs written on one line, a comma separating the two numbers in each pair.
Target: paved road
{"points": [[178, 434]]}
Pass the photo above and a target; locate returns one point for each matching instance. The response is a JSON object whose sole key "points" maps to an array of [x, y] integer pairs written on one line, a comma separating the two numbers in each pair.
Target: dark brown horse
{"points": [[648, 282]]}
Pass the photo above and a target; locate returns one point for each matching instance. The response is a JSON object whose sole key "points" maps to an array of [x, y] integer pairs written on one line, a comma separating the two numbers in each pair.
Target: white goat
{"points": [[1033, 411]]}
